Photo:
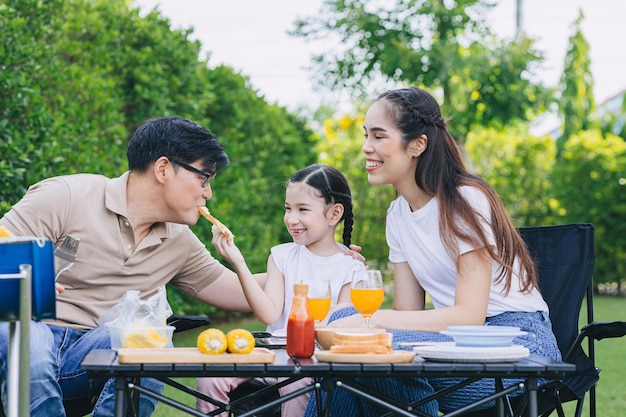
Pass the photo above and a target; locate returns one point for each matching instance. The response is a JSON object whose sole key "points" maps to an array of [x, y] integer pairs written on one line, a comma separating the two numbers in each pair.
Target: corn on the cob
{"points": [[144, 339], [212, 341], [240, 341]]}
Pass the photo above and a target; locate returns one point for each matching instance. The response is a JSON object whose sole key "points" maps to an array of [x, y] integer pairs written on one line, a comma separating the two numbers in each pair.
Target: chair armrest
{"points": [[183, 323], [601, 330], [597, 331]]}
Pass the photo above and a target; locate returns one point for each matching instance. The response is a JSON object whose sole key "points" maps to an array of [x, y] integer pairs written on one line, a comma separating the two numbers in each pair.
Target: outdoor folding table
{"points": [[326, 376]]}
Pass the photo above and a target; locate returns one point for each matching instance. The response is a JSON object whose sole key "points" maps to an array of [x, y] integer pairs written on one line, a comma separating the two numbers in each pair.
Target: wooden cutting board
{"points": [[191, 355], [397, 356]]}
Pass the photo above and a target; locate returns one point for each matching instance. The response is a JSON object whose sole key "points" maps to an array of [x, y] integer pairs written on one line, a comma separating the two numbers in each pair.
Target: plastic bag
{"points": [[137, 323], [132, 311]]}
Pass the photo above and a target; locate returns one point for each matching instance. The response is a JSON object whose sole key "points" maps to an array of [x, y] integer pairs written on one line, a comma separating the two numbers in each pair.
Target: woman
{"points": [[449, 236]]}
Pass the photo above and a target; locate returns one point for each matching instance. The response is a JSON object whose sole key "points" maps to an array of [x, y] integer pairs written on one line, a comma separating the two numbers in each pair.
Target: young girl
{"points": [[449, 236], [317, 199]]}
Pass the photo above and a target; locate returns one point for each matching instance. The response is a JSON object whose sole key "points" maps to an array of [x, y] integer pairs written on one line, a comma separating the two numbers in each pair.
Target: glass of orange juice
{"points": [[319, 298], [367, 293]]}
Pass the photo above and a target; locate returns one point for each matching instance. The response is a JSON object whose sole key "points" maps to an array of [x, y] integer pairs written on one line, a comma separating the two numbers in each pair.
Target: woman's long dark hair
{"points": [[441, 171], [333, 187]]}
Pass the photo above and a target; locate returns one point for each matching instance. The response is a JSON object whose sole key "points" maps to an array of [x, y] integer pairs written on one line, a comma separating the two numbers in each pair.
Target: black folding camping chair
{"points": [[565, 258]]}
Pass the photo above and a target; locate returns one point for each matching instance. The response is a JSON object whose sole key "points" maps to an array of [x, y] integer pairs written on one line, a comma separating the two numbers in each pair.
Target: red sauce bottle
{"points": [[300, 326]]}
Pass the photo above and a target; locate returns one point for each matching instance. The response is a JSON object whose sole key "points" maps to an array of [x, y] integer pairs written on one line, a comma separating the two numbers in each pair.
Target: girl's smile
{"points": [[307, 218], [296, 232]]}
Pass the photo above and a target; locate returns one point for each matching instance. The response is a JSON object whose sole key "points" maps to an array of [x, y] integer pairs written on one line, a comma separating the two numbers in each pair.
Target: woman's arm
{"points": [[470, 305], [408, 293]]}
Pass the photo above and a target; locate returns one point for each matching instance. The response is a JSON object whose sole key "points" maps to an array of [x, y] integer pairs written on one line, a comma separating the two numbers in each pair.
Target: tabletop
{"points": [[101, 362], [104, 363]]}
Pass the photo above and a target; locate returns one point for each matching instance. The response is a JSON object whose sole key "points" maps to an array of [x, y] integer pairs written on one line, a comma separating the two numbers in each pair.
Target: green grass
{"points": [[610, 356]]}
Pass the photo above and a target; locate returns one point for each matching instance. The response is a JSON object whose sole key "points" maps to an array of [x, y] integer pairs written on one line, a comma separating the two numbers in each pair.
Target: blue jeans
{"points": [[540, 341], [55, 357]]}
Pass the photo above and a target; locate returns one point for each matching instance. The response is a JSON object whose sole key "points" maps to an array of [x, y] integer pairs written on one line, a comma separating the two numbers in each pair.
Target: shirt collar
{"points": [[115, 200]]}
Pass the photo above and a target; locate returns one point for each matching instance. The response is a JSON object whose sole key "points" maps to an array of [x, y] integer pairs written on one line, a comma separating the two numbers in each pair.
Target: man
{"points": [[134, 235]]}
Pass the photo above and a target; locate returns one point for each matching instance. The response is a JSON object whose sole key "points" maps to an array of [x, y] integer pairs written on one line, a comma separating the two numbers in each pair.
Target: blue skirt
{"points": [[539, 340]]}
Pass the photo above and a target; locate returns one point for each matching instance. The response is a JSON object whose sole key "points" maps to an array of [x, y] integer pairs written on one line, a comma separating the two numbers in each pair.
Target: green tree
{"points": [[589, 183], [28, 65], [620, 119], [443, 45], [518, 165], [577, 106], [613, 117], [121, 70], [80, 76]]}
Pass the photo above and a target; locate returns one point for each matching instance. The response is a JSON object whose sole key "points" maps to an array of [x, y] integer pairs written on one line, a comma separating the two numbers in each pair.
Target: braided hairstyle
{"points": [[333, 187]]}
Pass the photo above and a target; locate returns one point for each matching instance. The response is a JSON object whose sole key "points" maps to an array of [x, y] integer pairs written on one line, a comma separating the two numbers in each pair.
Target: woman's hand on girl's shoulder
{"points": [[355, 252]]}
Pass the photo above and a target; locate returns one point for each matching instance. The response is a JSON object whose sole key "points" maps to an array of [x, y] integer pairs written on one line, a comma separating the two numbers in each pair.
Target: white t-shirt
{"points": [[297, 263], [413, 237]]}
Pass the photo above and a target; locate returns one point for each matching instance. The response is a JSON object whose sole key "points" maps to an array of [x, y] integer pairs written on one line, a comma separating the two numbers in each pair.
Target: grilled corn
{"points": [[240, 341], [212, 341]]}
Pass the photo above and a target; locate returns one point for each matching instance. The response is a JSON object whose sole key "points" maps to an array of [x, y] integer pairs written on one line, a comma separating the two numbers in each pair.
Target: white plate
{"points": [[483, 336], [396, 356], [449, 352], [483, 329]]}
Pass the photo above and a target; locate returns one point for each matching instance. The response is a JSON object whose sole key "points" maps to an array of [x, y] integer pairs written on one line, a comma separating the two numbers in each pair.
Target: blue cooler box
{"points": [[39, 254]]}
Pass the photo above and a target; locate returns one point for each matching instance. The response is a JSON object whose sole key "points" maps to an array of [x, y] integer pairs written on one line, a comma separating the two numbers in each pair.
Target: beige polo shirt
{"points": [[108, 263]]}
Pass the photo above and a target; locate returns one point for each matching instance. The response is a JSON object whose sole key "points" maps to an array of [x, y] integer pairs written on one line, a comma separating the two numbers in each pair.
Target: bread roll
{"points": [[361, 343]]}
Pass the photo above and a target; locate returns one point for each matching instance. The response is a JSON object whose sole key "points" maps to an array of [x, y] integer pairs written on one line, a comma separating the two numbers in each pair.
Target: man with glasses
{"points": [[134, 235], [207, 177]]}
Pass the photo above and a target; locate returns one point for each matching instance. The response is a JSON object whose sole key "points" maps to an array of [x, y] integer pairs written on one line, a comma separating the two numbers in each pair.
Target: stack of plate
{"points": [[476, 344], [483, 336]]}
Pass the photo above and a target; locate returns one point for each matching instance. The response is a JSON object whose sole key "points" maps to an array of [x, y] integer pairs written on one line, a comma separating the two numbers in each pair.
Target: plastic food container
{"points": [[130, 336]]}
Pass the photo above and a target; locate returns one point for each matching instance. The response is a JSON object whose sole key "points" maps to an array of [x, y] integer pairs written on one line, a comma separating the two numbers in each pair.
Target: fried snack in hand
{"points": [[217, 225]]}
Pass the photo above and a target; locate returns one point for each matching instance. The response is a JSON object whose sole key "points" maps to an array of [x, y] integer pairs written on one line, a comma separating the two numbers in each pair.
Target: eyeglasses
{"points": [[207, 177]]}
